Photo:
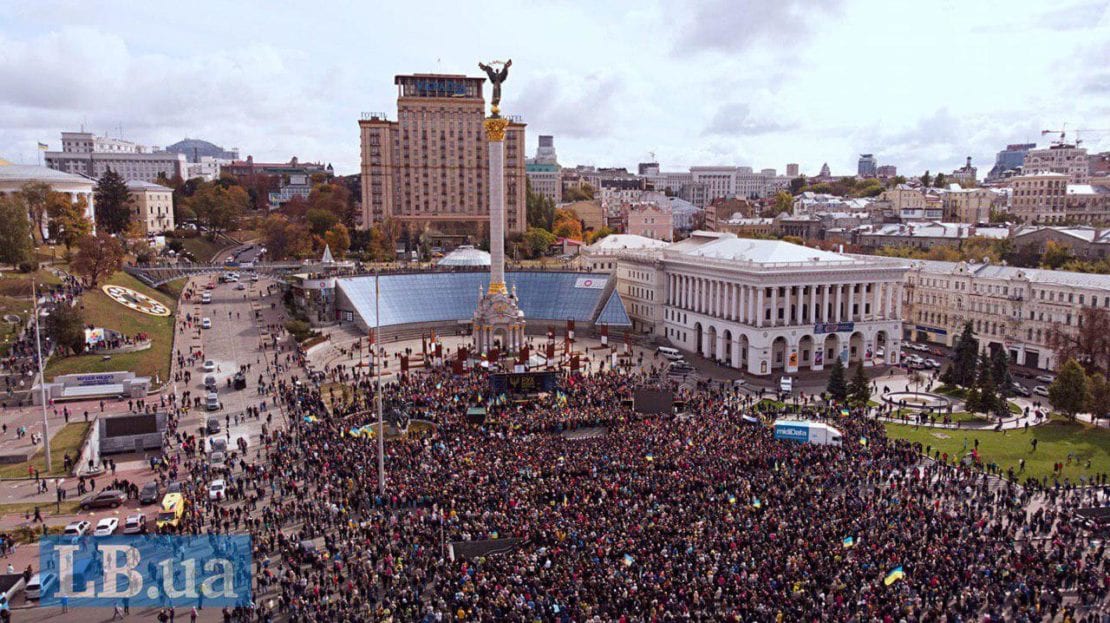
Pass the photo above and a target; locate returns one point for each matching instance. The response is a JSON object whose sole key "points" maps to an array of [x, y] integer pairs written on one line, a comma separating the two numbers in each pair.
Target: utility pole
{"points": [[42, 378], [378, 370]]}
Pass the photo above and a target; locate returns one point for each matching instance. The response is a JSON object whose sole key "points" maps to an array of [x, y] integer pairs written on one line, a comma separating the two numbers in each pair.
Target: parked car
{"points": [[1041, 390], [209, 366], [77, 528], [1020, 389], [1046, 378], [109, 498], [241, 286], [254, 277], [212, 425], [106, 526], [150, 493], [40, 583], [217, 444], [217, 459], [217, 490], [135, 524], [205, 323], [210, 383], [932, 363], [173, 487], [212, 401]]}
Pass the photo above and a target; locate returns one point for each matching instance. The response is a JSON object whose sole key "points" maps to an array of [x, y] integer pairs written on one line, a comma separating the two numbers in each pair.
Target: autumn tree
{"points": [[536, 241], [1055, 255], [113, 203], [35, 195], [338, 238], [218, 207], [335, 199], [16, 246], [784, 204], [98, 256], [1088, 343], [68, 222], [320, 221], [540, 210]]}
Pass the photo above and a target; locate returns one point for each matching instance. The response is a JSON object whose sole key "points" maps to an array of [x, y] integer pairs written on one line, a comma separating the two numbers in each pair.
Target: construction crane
{"points": [[1062, 132]]}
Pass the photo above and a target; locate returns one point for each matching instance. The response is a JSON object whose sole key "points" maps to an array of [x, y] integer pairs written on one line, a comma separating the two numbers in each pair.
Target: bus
{"points": [[173, 508]]}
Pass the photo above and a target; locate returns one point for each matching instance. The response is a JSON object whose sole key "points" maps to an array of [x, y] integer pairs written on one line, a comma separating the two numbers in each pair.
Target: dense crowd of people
{"points": [[702, 516]]}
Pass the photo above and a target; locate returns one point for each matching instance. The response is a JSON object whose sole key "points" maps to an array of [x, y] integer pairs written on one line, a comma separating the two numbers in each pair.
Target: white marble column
{"points": [[760, 314], [876, 299], [814, 302], [851, 302], [825, 304], [774, 306], [496, 213]]}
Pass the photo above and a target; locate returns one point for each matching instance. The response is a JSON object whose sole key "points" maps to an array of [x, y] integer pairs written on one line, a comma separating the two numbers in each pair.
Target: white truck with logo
{"points": [[805, 431]]}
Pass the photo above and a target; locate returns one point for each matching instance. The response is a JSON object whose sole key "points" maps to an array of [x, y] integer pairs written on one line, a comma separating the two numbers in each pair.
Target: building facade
{"points": [[867, 166], [650, 220], [84, 153], [1010, 308], [77, 187], [970, 205], [765, 306], [887, 171], [1070, 160], [428, 169], [151, 206], [1009, 161], [1039, 198], [792, 170]]}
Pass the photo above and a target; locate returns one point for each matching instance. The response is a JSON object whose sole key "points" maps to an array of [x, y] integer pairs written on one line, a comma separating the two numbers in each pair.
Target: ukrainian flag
{"points": [[649, 458], [862, 440], [311, 418], [628, 560], [894, 575], [756, 503], [732, 499], [849, 542], [843, 413]]}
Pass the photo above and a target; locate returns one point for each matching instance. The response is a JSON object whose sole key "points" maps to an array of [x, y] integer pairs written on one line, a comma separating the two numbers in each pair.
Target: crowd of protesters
{"points": [[703, 516]]}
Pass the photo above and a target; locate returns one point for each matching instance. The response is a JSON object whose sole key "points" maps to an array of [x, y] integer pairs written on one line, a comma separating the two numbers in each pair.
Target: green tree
{"points": [[1000, 368], [837, 387], [537, 241], [964, 360], [783, 204], [939, 182], [594, 236], [797, 184], [97, 256], [320, 221], [860, 389], [113, 203], [984, 396], [35, 195], [540, 210], [576, 193], [1099, 403], [66, 327], [16, 245], [1069, 392], [925, 179]]}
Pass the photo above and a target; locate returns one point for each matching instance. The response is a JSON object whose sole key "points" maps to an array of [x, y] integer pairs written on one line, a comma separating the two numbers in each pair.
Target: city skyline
{"points": [[708, 85]]}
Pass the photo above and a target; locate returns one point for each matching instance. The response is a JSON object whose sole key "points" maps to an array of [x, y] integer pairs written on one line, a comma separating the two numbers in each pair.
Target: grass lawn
{"points": [[101, 311], [964, 416], [1055, 441], [1016, 410], [66, 441], [203, 249], [174, 288]]}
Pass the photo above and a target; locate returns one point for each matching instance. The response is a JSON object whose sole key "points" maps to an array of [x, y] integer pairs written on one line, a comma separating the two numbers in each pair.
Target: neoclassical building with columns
{"points": [[765, 306]]}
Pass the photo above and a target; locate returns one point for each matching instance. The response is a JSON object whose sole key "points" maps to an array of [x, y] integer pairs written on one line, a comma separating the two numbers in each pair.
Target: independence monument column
{"points": [[498, 321]]}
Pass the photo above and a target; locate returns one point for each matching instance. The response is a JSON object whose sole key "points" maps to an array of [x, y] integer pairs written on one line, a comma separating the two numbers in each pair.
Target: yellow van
{"points": [[173, 508]]}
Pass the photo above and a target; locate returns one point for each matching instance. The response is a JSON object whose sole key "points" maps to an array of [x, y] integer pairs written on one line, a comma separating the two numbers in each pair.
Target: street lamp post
{"points": [[42, 378]]}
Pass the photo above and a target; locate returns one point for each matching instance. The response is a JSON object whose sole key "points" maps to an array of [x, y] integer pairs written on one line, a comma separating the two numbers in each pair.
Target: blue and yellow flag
{"points": [[756, 503], [311, 418], [628, 560], [862, 440], [649, 458], [849, 541], [844, 413], [894, 575], [732, 499]]}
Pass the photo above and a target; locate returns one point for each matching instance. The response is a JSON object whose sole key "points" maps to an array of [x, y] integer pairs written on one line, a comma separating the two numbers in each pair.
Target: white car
{"points": [[106, 526], [209, 366], [1041, 390], [39, 584], [217, 490], [206, 298], [241, 286], [205, 323], [1046, 378], [135, 524], [932, 363], [77, 528]]}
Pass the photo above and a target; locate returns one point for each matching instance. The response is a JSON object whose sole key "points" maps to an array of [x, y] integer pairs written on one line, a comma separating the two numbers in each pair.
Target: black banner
{"points": [[522, 383]]}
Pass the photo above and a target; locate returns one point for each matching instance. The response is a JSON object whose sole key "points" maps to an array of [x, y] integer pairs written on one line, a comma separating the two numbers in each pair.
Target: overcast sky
{"points": [[735, 82]]}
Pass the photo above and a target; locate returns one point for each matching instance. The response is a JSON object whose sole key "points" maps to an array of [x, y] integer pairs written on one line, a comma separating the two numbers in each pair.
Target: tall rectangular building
{"points": [[428, 169], [867, 165], [84, 153]]}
